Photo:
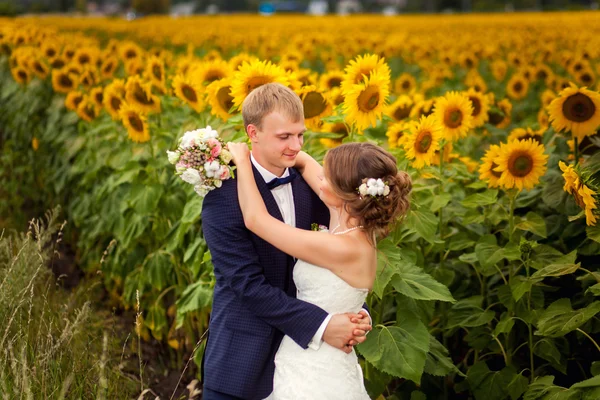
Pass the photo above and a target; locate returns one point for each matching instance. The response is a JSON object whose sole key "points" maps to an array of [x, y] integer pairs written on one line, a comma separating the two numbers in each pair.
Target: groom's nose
{"points": [[296, 143]]}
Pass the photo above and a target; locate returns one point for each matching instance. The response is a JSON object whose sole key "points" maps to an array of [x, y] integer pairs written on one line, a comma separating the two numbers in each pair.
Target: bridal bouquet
{"points": [[202, 160]]}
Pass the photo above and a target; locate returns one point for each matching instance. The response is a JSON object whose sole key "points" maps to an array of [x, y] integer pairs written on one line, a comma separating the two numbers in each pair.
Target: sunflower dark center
{"points": [[89, 111], [255, 82], [453, 118], [224, 98], [368, 99], [99, 97], [334, 82], [189, 93], [50, 53], [401, 112], [406, 85], [70, 53], [520, 164], [423, 142], [476, 105], [578, 108], [77, 100], [541, 74], [58, 63], [359, 77], [39, 68], [22, 74], [157, 72], [108, 67], [65, 81], [339, 128], [130, 54], [214, 75], [141, 97], [136, 123], [314, 105], [518, 86], [585, 78], [115, 103], [84, 59]]}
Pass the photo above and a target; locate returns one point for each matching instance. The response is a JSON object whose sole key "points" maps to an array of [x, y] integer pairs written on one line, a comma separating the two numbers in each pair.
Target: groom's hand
{"points": [[341, 331]]}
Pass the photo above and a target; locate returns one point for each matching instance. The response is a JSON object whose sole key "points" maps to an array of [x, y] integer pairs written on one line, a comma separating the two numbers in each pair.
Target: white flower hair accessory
{"points": [[373, 187]]}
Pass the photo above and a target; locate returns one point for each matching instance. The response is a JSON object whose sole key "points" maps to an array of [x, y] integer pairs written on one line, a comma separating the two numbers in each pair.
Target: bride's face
{"points": [[327, 195]]}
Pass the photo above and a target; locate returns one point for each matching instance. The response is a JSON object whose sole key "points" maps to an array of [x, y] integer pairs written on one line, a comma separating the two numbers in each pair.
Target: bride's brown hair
{"points": [[345, 168]]}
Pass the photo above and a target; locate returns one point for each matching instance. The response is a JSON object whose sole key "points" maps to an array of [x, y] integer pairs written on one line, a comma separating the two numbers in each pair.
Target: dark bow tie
{"points": [[281, 181]]}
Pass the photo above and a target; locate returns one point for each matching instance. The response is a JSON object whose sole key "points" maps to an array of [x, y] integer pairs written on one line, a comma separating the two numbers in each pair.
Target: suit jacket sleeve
{"points": [[237, 264]]}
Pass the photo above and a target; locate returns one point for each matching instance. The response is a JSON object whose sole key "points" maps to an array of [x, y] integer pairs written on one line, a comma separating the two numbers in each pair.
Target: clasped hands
{"points": [[347, 330]]}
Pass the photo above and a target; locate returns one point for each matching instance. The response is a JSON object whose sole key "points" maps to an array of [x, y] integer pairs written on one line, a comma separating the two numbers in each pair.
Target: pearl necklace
{"points": [[345, 231]]}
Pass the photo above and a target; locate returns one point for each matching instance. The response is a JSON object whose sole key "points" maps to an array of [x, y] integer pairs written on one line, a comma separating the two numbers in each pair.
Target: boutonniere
{"points": [[317, 227]]}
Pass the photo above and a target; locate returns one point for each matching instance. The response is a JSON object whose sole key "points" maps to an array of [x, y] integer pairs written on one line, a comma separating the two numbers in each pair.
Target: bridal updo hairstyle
{"points": [[345, 168]]}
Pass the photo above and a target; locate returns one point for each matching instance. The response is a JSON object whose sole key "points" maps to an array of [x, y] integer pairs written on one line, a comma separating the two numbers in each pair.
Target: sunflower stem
{"points": [[441, 213], [512, 195], [576, 150]]}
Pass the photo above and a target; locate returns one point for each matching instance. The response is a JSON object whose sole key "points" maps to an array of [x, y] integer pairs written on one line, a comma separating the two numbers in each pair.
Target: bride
{"points": [[365, 194]]}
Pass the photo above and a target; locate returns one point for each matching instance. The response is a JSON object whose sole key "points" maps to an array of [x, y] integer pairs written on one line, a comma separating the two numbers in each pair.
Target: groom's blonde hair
{"points": [[268, 98]]}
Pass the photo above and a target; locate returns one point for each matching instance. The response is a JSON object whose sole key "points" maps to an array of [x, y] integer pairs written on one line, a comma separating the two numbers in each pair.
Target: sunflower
{"points": [[89, 77], [421, 108], [73, 99], [501, 116], [522, 163], [252, 75], [113, 98], [469, 163], [86, 110], [335, 96], [546, 97], [50, 49], [454, 113], [135, 122], [86, 56], [289, 66], [35, 144], [190, 91], [488, 164], [331, 79], [422, 142], [109, 66], [210, 71], [480, 104], [155, 72], [68, 52], [64, 81], [219, 98], [139, 94], [525, 133], [476, 81], [364, 103], [542, 72], [316, 105], [129, 50], [499, 68], [39, 68], [406, 83], [543, 119], [21, 75], [339, 128], [585, 77], [584, 196], [57, 63], [576, 110], [134, 66], [396, 134], [97, 96], [236, 61], [517, 87], [358, 71], [400, 108]]}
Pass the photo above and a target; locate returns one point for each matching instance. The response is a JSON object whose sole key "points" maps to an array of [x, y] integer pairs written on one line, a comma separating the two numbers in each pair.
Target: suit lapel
{"points": [[301, 200], [267, 196]]}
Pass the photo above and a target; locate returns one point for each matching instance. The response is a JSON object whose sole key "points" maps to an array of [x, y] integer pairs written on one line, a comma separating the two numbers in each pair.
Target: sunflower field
{"points": [[488, 289]]}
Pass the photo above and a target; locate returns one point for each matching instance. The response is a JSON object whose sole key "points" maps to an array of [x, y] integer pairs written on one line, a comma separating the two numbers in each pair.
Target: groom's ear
{"points": [[252, 132]]}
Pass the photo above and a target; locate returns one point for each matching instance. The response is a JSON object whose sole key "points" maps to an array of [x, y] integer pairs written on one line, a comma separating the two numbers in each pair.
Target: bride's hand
{"points": [[239, 152]]}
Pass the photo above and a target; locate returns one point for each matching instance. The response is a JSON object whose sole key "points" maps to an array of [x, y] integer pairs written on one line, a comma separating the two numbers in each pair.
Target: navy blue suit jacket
{"points": [[254, 302]]}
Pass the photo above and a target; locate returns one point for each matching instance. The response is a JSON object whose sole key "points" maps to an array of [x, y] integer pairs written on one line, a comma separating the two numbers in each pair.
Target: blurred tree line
{"points": [[14, 7]]}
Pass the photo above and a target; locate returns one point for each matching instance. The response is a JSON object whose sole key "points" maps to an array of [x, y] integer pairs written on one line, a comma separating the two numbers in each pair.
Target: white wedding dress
{"points": [[327, 373]]}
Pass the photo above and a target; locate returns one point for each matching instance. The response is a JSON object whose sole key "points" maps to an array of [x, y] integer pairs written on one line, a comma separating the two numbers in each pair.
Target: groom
{"points": [[255, 303]]}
